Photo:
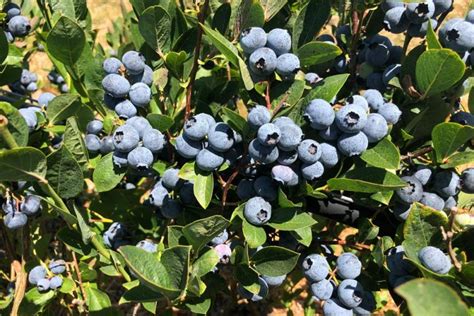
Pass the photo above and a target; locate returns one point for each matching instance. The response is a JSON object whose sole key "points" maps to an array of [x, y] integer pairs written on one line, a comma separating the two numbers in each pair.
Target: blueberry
{"points": [[368, 305], [322, 290], [268, 134], [9, 37], [93, 143], [187, 148], [450, 203], [94, 127], [114, 234], [418, 12], [351, 118], [107, 145], [140, 94], [221, 238], [375, 81], [448, 26], [469, 16], [32, 87], [45, 98], [348, 266], [283, 121], [263, 61], [396, 262], [419, 30], [140, 158], [446, 183], [434, 259], [343, 34], [274, 280], [391, 72], [467, 180], [11, 9], [31, 205], [252, 39], [396, 54], [125, 109], [327, 38], [254, 297], [145, 77], [55, 282], [171, 209], [352, 144], [390, 112], [432, 200], [158, 195], [258, 116], [257, 211], [43, 285], [333, 307], [209, 159], [358, 100], [116, 85], [19, 26], [221, 137], [312, 78], [36, 274], [186, 194], [287, 157], [126, 138], [287, 65], [285, 175], [291, 136], [320, 114], [112, 65], [376, 127], [329, 155], [57, 266], [350, 292], [141, 125], [15, 220], [309, 151], [262, 154], [279, 40], [148, 246], [9, 206], [30, 118], [331, 133], [210, 120], [170, 178], [245, 189], [395, 20], [390, 4], [401, 211], [340, 63], [315, 267], [423, 174], [266, 188], [463, 118], [413, 192], [196, 127], [460, 37], [377, 54], [134, 62], [120, 159], [111, 102]]}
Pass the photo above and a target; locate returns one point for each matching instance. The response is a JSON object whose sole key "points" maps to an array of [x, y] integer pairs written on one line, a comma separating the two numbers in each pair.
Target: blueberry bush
{"points": [[237, 157]]}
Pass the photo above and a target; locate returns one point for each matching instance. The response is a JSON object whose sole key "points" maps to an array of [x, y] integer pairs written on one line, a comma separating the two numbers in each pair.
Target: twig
{"points": [[136, 309], [267, 96], [417, 153], [356, 30], [280, 105], [21, 276], [448, 237], [79, 275], [192, 75]]}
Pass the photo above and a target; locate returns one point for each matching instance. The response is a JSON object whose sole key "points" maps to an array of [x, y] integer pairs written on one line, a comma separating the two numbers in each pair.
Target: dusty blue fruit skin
{"points": [[36, 274], [375, 81], [141, 125], [285, 175], [390, 112], [252, 39], [57, 266], [31, 205], [287, 158], [348, 266], [279, 40], [245, 189], [352, 144], [15, 220], [196, 127], [315, 267], [19, 26], [333, 307], [170, 178], [209, 160], [331, 133], [377, 55], [442, 6], [45, 98], [94, 127], [146, 76], [376, 127], [125, 109], [111, 102], [30, 118], [309, 151], [186, 194], [254, 297], [350, 292], [9, 206], [158, 195], [420, 12], [187, 148], [11, 9], [467, 180], [120, 159], [463, 118], [351, 118], [274, 280], [140, 158], [263, 61], [126, 138], [268, 134], [401, 211], [469, 16], [9, 37], [258, 116], [288, 65], [460, 37], [390, 4], [221, 137], [92, 143], [368, 305], [358, 100], [395, 20], [329, 155], [419, 30], [262, 154], [413, 192], [396, 263], [147, 245], [446, 183], [450, 203], [107, 145], [257, 211], [340, 63], [432, 200], [291, 136], [43, 285], [319, 114], [210, 120], [423, 174], [116, 85], [112, 65], [434, 259], [140, 94], [224, 252], [55, 282], [265, 187], [448, 26], [32, 87], [221, 238], [171, 209], [312, 78], [283, 121], [322, 290], [134, 62], [396, 54], [114, 234], [391, 72]]}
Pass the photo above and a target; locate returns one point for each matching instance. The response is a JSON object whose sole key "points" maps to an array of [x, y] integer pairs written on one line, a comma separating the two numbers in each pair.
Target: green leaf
{"points": [[248, 277], [272, 7], [458, 159], [106, 175], [314, 53], [140, 293], [284, 202], [205, 263], [202, 231], [237, 122], [470, 102], [62, 107], [66, 41], [274, 261], [198, 305], [431, 39], [160, 122], [431, 297], [3, 47], [16, 125], [438, 70], [34, 302], [298, 221], [203, 188], [309, 22], [64, 173], [255, 236], [448, 137], [223, 45], [175, 236], [86, 231], [188, 171], [154, 25], [384, 155], [251, 14], [22, 164], [367, 180], [97, 300], [222, 17], [73, 9], [288, 92], [74, 141], [303, 235]]}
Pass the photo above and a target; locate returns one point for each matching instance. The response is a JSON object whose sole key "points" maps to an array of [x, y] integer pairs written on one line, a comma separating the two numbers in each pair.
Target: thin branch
{"points": [[448, 237], [417, 153], [267, 96], [79, 276]]}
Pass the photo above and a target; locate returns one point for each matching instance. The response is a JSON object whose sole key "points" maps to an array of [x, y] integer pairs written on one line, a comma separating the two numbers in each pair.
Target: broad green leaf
{"points": [[255, 236], [303, 235], [251, 14], [62, 107], [64, 173], [448, 137], [470, 102], [177, 263], [188, 171], [458, 159], [175, 63], [22, 164], [3, 47], [106, 175], [203, 188], [245, 75], [237, 122], [97, 300], [284, 202], [367, 180], [160, 122], [222, 17], [298, 221], [431, 39], [73, 140], [34, 302], [205, 263], [287, 92], [66, 41], [140, 293], [202, 231], [274, 261], [222, 44], [16, 125], [384, 155], [175, 236], [86, 231], [248, 277], [431, 297], [198, 305], [155, 24], [438, 70], [272, 7], [314, 53], [309, 22], [73, 9]]}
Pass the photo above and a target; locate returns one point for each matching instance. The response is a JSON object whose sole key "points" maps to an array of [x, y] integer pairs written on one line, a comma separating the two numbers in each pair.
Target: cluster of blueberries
{"points": [[17, 213], [340, 297], [17, 25], [58, 80], [268, 53], [458, 35], [48, 280], [26, 84], [435, 189]]}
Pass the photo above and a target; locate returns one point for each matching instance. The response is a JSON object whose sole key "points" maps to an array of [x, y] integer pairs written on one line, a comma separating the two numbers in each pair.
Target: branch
{"points": [[448, 237], [79, 276], [356, 31], [417, 153], [267, 96]]}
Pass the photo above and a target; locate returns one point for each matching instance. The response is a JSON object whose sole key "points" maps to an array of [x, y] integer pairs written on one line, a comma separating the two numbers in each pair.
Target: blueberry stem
{"points": [[6, 135]]}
